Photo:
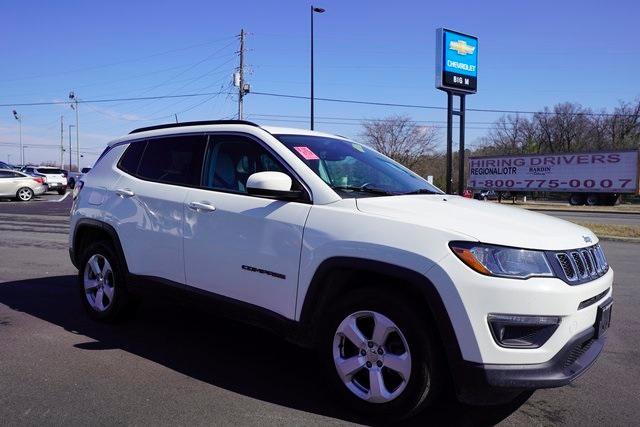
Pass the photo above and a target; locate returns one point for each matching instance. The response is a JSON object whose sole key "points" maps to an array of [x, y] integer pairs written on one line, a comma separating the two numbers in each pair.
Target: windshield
{"points": [[355, 170]]}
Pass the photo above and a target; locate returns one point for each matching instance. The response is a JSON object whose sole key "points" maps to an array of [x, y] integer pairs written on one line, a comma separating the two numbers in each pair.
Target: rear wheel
{"points": [[592, 200], [576, 199], [62, 191], [24, 194], [101, 281], [380, 355]]}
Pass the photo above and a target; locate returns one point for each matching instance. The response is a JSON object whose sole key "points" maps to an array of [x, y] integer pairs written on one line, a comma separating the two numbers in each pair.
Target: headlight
{"points": [[502, 261]]}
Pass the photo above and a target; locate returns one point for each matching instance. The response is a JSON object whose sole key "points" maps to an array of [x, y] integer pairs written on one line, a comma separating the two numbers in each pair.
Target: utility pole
{"points": [[74, 100], [70, 150], [61, 141], [238, 77]]}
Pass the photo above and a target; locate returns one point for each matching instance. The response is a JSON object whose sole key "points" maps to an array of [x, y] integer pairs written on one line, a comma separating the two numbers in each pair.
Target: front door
{"points": [[237, 245]]}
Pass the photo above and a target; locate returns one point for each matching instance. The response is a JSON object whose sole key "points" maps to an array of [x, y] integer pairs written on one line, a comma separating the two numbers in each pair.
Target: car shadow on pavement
{"points": [[224, 353]]}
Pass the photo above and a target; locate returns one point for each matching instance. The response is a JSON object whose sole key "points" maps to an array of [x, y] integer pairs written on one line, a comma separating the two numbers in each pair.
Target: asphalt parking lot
{"points": [[176, 365]]}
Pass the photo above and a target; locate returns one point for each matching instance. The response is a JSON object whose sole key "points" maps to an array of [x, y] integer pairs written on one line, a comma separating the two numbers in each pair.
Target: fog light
{"points": [[513, 331]]}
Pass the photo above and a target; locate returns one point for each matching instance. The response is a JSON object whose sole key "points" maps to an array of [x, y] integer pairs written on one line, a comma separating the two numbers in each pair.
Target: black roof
{"points": [[199, 123]]}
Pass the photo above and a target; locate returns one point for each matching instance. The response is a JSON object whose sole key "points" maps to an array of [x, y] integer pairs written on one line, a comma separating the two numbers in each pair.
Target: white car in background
{"points": [[55, 177], [19, 185]]}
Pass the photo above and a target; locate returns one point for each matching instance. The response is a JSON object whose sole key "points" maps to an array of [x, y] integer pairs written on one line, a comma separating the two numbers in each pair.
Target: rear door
{"points": [[151, 194], [238, 245], [7, 183]]}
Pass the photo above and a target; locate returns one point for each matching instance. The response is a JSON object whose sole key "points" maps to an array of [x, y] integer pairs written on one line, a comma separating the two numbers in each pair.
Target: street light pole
{"points": [[19, 119], [313, 10]]}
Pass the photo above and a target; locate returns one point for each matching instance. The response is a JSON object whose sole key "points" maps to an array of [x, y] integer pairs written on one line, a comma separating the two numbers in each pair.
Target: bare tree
{"points": [[567, 127], [400, 138]]}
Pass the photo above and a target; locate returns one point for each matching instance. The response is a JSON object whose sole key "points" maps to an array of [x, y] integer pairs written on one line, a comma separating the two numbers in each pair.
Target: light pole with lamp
{"points": [[313, 10]]}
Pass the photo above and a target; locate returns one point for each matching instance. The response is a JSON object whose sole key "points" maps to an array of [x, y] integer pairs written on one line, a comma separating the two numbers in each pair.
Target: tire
{"points": [[62, 191], [24, 194], [576, 199], [71, 183], [592, 200], [115, 299], [424, 375]]}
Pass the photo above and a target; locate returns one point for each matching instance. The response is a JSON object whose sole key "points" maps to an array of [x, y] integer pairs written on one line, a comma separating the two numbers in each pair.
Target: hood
{"points": [[486, 222]]}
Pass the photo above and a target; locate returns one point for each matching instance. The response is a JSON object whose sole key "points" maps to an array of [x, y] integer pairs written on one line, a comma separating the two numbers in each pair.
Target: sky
{"points": [[531, 54]]}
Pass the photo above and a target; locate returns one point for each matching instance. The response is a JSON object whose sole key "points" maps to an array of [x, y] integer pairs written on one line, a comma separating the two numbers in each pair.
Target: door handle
{"points": [[202, 206], [125, 192]]}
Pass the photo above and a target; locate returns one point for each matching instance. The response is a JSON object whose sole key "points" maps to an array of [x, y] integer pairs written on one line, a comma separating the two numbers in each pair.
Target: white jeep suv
{"points": [[401, 288]]}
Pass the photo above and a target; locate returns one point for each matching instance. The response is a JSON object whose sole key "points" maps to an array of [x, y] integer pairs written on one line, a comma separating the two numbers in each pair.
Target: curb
{"points": [[579, 211], [620, 239]]}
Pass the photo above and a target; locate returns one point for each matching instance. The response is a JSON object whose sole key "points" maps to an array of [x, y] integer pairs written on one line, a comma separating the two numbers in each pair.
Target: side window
{"points": [[231, 159], [4, 174], [131, 158], [173, 160]]}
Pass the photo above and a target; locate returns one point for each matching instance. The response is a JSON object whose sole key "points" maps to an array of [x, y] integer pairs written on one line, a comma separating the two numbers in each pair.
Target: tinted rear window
{"points": [[131, 157], [50, 171], [173, 160]]}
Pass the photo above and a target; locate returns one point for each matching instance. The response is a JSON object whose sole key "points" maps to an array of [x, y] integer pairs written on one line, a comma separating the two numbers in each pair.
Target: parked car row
{"points": [[19, 185], [54, 178]]}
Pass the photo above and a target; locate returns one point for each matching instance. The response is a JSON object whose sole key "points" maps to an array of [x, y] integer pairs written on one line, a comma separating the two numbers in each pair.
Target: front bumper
{"points": [[492, 383]]}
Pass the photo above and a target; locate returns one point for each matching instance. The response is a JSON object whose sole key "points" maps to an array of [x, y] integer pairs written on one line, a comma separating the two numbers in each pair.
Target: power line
{"points": [[359, 119], [337, 100], [94, 67], [429, 107], [104, 100]]}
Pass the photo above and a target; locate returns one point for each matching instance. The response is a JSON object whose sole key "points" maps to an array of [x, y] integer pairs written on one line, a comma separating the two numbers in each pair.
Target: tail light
{"points": [[39, 180], [77, 188]]}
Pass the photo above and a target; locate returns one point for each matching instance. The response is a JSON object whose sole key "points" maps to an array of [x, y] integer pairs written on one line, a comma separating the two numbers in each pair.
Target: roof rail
{"points": [[199, 123]]}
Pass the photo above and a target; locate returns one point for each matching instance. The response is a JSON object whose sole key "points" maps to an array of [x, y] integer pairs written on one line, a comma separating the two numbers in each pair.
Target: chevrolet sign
{"points": [[456, 61]]}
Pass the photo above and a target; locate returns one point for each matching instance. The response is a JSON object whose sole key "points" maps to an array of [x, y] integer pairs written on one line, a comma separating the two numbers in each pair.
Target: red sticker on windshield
{"points": [[306, 153]]}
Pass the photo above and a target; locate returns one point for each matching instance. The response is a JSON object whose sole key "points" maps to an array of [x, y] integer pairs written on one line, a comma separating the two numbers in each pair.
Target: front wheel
{"points": [[380, 355], [24, 194]]}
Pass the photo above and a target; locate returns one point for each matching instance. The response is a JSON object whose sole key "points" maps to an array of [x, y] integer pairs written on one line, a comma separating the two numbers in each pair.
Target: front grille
{"points": [[587, 262], [581, 265], [577, 259], [566, 265]]}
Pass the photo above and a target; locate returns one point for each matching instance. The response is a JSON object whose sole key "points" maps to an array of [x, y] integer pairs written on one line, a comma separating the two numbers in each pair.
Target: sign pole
{"points": [[461, 114], [449, 178], [456, 74]]}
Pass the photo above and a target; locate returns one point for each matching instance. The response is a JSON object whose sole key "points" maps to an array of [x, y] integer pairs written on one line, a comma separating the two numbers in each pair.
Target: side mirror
{"points": [[273, 185]]}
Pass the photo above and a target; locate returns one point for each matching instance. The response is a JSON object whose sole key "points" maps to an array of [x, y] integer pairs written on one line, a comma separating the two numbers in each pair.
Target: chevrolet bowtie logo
{"points": [[461, 47]]}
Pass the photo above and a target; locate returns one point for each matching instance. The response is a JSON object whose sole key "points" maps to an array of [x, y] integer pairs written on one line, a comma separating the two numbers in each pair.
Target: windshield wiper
{"points": [[363, 189], [421, 191]]}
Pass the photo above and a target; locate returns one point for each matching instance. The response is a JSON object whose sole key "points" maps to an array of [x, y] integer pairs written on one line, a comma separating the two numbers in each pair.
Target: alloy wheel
{"points": [[371, 356], [99, 286], [24, 194]]}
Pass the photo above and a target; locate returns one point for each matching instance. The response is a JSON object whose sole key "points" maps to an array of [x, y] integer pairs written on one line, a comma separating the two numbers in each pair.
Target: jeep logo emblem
{"points": [[587, 239]]}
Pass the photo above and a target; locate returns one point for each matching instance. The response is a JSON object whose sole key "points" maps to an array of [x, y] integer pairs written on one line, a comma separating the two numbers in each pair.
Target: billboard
{"points": [[456, 61], [601, 172]]}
